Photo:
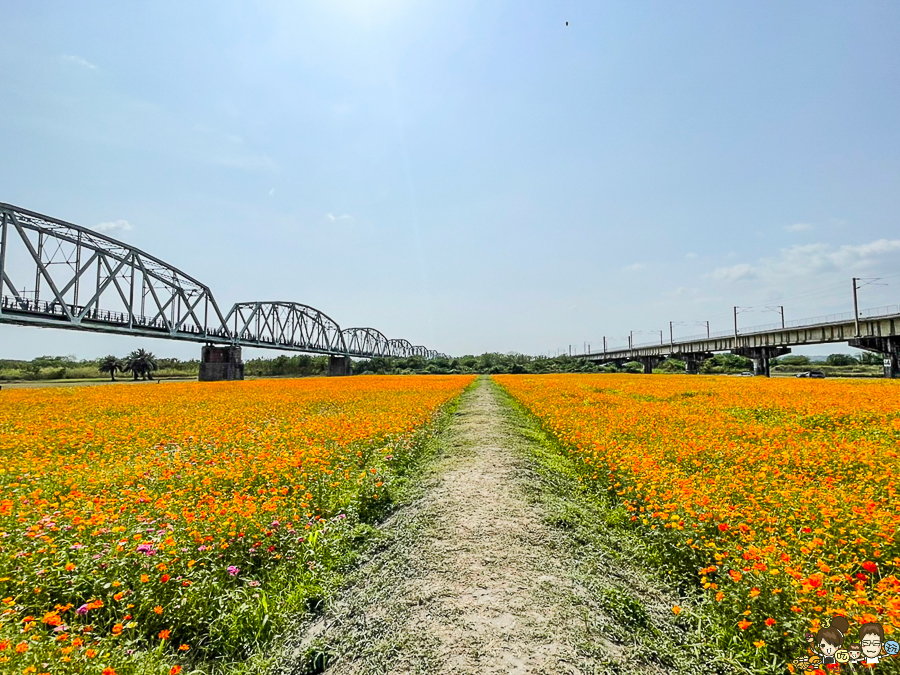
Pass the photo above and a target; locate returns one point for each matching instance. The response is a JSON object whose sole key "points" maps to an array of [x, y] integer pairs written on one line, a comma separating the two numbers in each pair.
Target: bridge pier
{"points": [[220, 363], [693, 361], [649, 362], [339, 365], [760, 357], [888, 347]]}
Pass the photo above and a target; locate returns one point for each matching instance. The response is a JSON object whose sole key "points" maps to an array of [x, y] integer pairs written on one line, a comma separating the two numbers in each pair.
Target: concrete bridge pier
{"points": [[649, 362], [693, 361], [220, 363], [339, 366], [761, 356], [888, 347]]}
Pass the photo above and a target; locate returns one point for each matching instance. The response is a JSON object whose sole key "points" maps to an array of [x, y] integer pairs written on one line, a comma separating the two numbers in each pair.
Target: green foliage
{"points": [[841, 360], [492, 363], [297, 366], [726, 363], [70, 368], [141, 364], [670, 366], [111, 365], [870, 359], [623, 607]]}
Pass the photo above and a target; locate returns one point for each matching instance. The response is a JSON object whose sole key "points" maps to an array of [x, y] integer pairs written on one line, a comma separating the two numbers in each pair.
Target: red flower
{"points": [[770, 621], [870, 567], [723, 527], [164, 578]]}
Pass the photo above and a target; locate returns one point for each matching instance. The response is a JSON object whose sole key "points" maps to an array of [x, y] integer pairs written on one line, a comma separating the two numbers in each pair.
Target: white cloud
{"points": [[113, 226], [799, 227], [690, 256], [272, 192], [808, 262], [79, 61], [635, 267], [733, 273], [333, 218]]}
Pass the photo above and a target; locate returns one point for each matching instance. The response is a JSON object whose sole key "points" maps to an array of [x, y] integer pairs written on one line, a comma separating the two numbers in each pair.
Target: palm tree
{"points": [[141, 363], [110, 364]]}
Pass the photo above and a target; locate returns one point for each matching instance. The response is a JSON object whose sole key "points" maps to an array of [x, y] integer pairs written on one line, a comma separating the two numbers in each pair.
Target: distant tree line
{"points": [[490, 363], [299, 366], [141, 364]]}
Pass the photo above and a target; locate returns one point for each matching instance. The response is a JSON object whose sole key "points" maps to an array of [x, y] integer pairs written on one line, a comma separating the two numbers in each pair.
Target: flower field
{"points": [[775, 499], [163, 527]]}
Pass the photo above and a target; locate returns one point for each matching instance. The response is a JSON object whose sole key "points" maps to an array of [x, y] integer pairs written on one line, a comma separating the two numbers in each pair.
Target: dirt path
{"points": [[474, 578], [488, 595]]}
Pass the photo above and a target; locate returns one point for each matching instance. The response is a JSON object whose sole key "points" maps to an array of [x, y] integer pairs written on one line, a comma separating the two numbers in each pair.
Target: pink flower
{"points": [[81, 611], [232, 570]]}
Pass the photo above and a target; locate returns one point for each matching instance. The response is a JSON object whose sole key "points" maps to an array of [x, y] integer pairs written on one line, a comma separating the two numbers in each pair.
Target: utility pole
{"points": [[855, 307], [735, 327], [782, 316], [604, 344], [671, 338], [707, 330], [660, 338], [630, 334]]}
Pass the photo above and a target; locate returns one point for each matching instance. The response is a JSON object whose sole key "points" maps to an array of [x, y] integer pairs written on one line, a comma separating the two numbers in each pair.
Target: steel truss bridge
{"points": [[84, 280]]}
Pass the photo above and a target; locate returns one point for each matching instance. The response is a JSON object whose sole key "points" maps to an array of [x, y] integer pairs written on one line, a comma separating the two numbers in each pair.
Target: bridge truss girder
{"points": [[401, 348], [85, 280], [367, 342], [288, 325], [81, 279]]}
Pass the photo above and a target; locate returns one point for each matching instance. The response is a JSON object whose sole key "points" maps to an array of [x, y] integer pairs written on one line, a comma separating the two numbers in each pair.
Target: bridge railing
{"points": [[824, 319], [45, 308]]}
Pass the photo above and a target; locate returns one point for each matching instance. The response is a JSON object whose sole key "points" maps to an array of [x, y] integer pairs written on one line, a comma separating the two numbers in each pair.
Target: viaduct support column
{"points": [[339, 365], [888, 347], [648, 362], [220, 363], [761, 356], [693, 361]]}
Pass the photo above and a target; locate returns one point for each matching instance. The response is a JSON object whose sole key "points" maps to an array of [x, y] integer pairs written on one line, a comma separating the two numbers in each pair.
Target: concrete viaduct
{"points": [[878, 333]]}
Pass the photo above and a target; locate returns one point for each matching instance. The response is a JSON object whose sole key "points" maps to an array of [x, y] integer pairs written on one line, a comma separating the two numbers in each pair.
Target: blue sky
{"points": [[471, 176]]}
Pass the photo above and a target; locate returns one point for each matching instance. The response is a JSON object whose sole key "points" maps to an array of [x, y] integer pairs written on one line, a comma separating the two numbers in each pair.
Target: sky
{"points": [[470, 176]]}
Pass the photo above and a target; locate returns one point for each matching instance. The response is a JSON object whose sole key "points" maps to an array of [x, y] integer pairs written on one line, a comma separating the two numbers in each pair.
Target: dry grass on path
{"points": [[484, 573]]}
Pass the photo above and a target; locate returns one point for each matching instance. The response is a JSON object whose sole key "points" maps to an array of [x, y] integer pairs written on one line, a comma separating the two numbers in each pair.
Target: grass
{"points": [[385, 549], [629, 597]]}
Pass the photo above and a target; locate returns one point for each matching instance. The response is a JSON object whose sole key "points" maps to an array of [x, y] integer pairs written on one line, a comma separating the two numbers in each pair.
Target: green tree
{"points": [[841, 360], [141, 363], [726, 363], [671, 366], [111, 364], [871, 358]]}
